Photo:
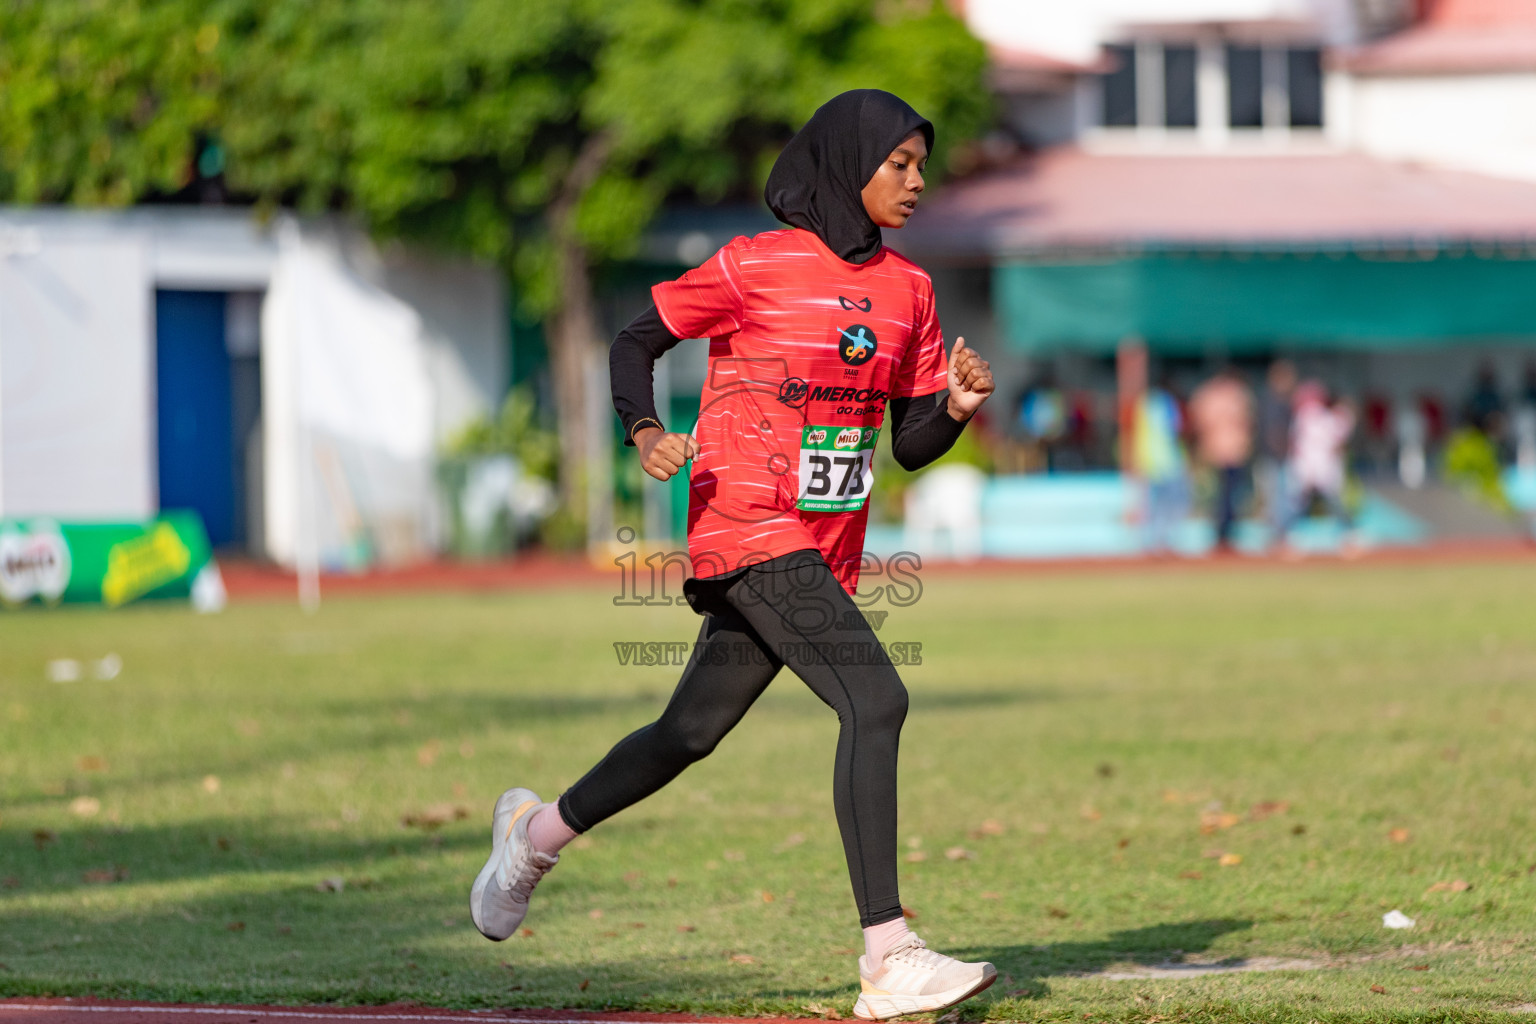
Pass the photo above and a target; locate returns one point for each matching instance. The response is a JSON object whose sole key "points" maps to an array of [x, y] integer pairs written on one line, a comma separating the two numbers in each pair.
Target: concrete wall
{"points": [[77, 371], [1481, 123]]}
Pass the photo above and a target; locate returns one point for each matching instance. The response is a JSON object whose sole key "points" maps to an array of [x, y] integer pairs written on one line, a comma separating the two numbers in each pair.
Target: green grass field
{"points": [[1140, 767]]}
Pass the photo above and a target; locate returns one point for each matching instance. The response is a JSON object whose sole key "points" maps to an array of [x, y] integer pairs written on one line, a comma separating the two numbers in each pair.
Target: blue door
{"points": [[192, 378]]}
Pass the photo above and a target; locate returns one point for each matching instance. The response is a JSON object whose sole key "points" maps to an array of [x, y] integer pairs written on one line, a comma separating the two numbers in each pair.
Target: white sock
{"points": [[880, 939]]}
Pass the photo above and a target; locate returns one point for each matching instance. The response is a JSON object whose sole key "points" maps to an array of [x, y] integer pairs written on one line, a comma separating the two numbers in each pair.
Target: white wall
{"points": [[1074, 31], [463, 310], [1482, 123], [77, 404]]}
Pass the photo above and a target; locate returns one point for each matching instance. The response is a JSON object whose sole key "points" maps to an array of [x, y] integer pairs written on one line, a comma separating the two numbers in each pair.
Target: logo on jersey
{"points": [[856, 344], [797, 393], [863, 305], [794, 392]]}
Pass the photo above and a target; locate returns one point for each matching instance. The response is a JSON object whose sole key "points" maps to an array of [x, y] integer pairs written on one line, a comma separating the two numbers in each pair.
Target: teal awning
{"points": [[1197, 302]]}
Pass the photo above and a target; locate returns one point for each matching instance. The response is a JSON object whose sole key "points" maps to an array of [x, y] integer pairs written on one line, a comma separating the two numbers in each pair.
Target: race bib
{"points": [[836, 468]]}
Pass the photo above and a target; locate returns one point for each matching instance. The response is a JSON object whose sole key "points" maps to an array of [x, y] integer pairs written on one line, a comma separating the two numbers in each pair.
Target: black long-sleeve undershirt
{"points": [[921, 427]]}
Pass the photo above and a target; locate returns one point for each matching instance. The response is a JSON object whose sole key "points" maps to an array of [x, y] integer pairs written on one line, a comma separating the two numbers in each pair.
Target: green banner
{"points": [[49, 562]]}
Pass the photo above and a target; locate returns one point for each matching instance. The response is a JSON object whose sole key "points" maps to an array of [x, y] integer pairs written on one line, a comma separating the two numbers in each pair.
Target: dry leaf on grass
{"points": [[106, 876], [332, 884], [990, 827], [1399, 835], [584, 983], [991, 895], [1268, 808], [435, 816], [790, 841], [1379, 990], [1193, 875], [687, 928], [915, 857], [235, 926], [210, 783], [41, 838], [1419, 967], [734, 856], [1459, 885], [825, 1012], [767, 897], [1090, 813], [426, 754], [526, 933], [1058, 913], [908, 913], [1212, 822], [1230, 860], [91, 763], [85, 806], [596, 915], [742, 958], [958, 853]]}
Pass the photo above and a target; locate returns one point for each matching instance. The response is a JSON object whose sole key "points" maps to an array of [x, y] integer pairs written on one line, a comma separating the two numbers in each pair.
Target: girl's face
{"points": [[891, 195]]}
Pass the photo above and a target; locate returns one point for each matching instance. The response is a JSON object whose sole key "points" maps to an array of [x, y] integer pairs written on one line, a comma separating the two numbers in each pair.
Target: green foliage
{"points": [[516, 431], [1472, 464], [101, 102], [456, 122]]}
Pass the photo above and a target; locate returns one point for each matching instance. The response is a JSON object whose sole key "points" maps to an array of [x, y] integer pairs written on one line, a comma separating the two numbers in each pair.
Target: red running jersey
{"points": [[805, 350]]}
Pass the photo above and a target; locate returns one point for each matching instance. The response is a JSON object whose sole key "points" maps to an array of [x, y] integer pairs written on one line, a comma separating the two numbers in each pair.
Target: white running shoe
{"points": [[499, 900], [914, 979]]}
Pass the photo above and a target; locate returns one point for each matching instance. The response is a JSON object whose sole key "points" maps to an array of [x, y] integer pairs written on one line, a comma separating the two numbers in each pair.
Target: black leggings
{"points": [[787, 611]]}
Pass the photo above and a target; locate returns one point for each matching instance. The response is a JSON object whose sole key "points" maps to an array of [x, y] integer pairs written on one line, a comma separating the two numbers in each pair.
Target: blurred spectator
{"points": [[1221, 413], [1484, 407], [1157, 459], [1433, 411], [1377, 426], [1525, 422], [1275, 442], [1042, 416], [1319, 434], [1412, 429]]}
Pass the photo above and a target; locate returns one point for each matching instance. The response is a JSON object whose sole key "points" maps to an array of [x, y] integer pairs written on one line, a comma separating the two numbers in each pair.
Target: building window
{"points": [[1156, 84], [1304, 84], [1245, 87], [1120, 88], [1179, 86]]}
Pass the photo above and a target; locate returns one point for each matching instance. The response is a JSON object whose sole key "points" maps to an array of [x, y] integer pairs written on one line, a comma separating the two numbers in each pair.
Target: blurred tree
{"points": [[540, 135]]}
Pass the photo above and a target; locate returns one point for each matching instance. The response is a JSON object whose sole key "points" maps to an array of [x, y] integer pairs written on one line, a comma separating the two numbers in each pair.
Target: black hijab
{"points": [[816, 181]]}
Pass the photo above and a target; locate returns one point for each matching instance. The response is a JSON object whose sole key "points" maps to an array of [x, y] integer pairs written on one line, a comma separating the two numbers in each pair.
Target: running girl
{"points": [[814, 331]]}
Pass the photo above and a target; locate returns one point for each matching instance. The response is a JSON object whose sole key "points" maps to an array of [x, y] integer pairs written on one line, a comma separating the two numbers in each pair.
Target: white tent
{"points": [[348, 417]]}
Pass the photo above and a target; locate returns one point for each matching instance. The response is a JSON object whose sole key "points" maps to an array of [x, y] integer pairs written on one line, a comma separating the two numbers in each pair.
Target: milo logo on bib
{"points": [[849, 438]]}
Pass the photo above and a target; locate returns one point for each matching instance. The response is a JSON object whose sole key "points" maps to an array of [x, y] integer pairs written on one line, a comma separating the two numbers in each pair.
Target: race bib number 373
{"points": [[836, 468]]}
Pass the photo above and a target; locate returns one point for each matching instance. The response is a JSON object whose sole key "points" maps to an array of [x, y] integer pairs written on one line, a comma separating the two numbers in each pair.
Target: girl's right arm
{"points": [[631, 374]]}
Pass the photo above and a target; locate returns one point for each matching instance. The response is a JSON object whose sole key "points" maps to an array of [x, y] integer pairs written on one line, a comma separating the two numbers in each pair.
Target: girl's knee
{"points": [[884, 707]]}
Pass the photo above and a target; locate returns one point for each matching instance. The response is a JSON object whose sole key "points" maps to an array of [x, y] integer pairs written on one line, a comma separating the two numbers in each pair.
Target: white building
{"points": [[292, 383], [1351, 183]]}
